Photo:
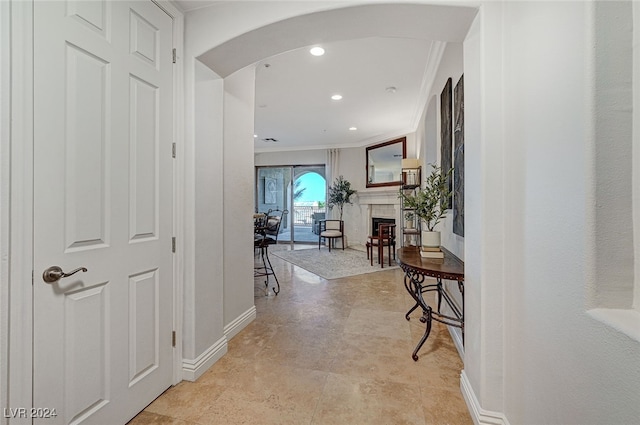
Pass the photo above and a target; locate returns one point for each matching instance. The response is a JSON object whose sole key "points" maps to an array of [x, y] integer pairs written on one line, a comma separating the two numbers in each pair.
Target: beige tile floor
{"points": [[325, 352]]}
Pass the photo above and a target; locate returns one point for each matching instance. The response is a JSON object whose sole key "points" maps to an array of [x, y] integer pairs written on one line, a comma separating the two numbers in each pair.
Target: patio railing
{"points": [[304, 215]]}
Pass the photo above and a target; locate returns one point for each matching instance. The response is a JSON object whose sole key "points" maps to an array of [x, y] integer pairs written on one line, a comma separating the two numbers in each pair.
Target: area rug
{"points": [[334, 264]]}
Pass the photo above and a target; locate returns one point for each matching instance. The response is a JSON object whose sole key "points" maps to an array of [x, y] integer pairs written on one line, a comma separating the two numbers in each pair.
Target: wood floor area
{"points": [[325, 352]]}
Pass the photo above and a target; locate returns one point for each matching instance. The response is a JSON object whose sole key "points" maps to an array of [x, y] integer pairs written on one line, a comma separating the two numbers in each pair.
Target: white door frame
{"points": [[16, 194]]}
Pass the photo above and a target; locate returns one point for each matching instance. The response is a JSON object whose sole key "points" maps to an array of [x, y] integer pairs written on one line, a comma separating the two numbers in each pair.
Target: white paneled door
{"points": [[103, 86]]}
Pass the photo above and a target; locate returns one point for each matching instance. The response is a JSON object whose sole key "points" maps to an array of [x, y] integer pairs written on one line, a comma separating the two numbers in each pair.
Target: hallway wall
{"points": [[533, 132], [533, 351]]}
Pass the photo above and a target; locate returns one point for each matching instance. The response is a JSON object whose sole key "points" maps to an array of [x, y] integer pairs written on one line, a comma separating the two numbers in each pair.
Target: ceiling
{"points": [[380, 58], [379, 78]]}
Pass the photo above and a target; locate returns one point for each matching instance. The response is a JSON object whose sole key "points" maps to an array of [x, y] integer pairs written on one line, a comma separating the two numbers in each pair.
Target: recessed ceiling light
{"points": [[255, 135], [353, 128], [336, 97], [391, 89], [317, 51]]}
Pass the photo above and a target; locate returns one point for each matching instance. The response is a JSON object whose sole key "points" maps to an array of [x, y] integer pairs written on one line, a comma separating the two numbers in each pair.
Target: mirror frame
{"points": [[402, 140]]}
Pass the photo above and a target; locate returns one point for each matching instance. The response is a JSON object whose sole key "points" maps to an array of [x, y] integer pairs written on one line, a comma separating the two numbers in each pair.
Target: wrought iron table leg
{"points": [[413, 287], [439, 286], [406, 316], [427, 331]]}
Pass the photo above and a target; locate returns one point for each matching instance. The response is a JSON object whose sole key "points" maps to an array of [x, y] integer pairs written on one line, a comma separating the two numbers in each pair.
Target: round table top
{"points": [[450, 267]]}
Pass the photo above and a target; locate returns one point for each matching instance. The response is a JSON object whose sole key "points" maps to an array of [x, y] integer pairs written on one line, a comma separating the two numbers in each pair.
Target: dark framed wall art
{"points": [[458, 159], [445, 135]]}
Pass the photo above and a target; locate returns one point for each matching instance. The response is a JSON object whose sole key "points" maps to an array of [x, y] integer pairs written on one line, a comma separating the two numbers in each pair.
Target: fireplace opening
{"points": [[379, 220]]}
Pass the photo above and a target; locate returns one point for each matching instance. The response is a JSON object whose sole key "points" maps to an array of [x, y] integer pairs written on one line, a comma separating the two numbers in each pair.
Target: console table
{"points": [[416, 269]]}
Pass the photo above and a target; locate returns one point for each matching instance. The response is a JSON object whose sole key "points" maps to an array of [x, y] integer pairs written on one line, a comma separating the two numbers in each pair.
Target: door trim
{"points": [[16, 200], [178, 181], [17, 366]]}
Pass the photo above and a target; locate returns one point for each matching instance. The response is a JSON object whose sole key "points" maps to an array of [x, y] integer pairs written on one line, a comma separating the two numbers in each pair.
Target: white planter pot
{"points": [[408, 224], [430, 239]]}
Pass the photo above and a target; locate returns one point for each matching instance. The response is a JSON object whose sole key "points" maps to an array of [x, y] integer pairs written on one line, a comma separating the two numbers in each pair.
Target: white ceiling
{"points": [[368, 49], [293, 94]]}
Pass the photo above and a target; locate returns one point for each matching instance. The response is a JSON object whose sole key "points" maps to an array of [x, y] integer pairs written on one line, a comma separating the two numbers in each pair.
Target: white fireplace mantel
{"points": [[370, 198], [379, 196]]}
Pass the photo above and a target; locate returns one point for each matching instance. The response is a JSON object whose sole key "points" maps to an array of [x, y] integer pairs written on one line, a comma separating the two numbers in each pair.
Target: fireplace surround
{"points": [[380, 204], [378, 220]]}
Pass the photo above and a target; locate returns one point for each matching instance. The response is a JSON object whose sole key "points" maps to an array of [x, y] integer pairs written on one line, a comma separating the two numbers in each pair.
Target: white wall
{"points": [[613, 105], [561, 365], [636, 151], [351, 166], [203, 308], [451, 66], [484, 215], [237, 243], [5, 119], [306, 157]]}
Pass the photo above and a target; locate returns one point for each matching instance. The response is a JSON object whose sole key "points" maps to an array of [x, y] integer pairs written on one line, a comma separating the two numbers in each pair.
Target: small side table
{"points": [[416, 269]]}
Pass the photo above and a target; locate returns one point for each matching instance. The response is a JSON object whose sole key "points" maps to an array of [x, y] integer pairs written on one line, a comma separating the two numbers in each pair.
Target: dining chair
{"points": [[386, 237], [265, 235], [331, 230]]}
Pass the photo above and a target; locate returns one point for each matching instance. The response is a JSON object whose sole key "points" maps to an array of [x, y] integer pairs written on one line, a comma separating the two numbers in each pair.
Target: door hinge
{"points": [[173, 338], [173, 244], [174, 55], [173, 151]]}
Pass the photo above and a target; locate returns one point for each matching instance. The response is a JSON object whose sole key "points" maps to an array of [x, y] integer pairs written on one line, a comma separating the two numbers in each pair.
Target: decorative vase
{"points": [[408, 224], [430, 239]]}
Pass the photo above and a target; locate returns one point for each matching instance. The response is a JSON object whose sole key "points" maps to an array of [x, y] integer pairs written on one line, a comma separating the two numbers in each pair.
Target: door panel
{"points": [[86, 335], [144, 160], [144, 329], [102, 200], [85, 164]]}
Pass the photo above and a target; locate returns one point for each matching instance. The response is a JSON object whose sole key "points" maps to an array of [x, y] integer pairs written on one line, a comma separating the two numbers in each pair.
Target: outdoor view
{"points": [[309, 203]]}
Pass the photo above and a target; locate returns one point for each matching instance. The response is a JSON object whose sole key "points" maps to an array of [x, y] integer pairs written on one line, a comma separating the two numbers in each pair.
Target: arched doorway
{"points": [[309, 202]]}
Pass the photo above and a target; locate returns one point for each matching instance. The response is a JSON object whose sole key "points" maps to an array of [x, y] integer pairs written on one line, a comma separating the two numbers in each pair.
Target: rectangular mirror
{"points": [[384, 163]]}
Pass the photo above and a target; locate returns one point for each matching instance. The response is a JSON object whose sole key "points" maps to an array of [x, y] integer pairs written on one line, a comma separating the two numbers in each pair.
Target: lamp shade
{"points": [[408, 163]]}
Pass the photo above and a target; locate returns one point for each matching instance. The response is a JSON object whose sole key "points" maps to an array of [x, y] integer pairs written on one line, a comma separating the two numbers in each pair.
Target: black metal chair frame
{"points": [[266, 233]]}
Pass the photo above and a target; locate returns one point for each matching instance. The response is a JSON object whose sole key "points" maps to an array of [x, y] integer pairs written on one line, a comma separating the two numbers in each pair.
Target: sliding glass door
{"points": [[301, 190], [273, 193]]}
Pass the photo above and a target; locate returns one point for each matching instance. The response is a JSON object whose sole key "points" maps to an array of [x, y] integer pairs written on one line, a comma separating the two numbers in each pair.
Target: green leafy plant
{"points": [[431, 202], [340, 193], [297, 190]]}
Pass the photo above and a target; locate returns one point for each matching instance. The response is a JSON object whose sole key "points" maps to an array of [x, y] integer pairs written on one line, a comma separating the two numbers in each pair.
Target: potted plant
{"points": [[340, 193], [429, 204]]}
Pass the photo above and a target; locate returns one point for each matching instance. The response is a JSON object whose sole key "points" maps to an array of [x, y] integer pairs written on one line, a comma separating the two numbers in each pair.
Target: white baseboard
{"points": [[478, 414], [239, 323], [193, 369], [456, 336]]}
